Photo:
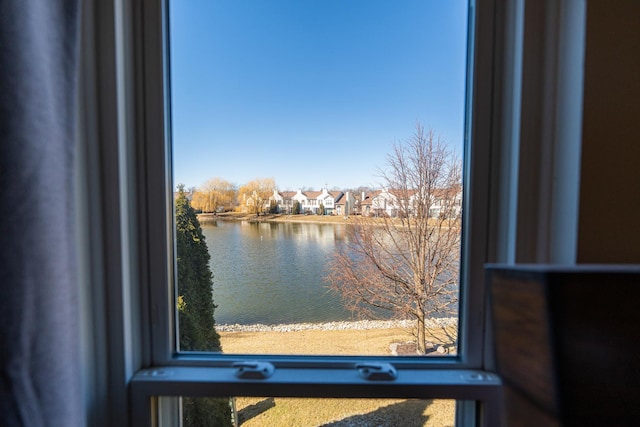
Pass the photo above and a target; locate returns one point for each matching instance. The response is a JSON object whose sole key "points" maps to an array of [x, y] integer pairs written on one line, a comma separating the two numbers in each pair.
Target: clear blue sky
{"points": [[310, 92]]}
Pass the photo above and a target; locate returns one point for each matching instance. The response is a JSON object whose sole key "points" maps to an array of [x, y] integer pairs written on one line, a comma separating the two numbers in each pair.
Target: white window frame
{"points": [[127, 193]]}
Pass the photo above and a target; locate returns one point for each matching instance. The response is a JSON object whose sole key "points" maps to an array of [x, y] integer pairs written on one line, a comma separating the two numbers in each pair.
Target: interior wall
{"points": [[609, 222]]}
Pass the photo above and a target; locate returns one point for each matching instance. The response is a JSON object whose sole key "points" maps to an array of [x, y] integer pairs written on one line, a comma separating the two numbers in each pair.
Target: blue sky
{"points": [[310, 92]]}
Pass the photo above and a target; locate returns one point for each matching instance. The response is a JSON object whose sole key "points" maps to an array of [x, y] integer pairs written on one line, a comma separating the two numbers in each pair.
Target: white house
{"points": [[384, 203], [284, 201], [301, 198], [310, 201], [328, 200], [445, 201]]}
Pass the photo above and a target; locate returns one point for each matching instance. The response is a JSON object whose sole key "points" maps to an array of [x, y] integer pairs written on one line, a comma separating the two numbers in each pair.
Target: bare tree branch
{"points": [[406, 260]]}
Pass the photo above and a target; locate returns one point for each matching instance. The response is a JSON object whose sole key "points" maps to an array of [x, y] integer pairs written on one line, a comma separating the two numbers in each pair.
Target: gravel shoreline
{"points": [[336, 326]]}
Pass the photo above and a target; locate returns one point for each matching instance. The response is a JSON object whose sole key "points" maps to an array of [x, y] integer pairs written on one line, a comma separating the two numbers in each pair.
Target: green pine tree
{"points": [[196, 309]]}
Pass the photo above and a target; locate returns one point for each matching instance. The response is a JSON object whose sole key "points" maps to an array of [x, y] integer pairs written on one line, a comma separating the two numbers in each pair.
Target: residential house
{"points": [[284, 201], [301, 198], [310, 201], [365, 202], [385, 203], [345, 204], [328, 200], [392, 202], [446, 201]]}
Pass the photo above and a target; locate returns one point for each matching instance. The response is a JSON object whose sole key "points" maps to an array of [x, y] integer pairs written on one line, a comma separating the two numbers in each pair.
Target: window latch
{"points": [[251, 370], [377, 371]]}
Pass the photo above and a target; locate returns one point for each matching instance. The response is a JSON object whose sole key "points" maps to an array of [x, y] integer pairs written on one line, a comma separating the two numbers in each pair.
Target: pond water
{"points": [[273, 272]]}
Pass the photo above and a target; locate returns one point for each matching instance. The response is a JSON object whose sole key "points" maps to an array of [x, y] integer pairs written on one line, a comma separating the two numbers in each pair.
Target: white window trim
{"points": [[160, 203], [125, 124]]}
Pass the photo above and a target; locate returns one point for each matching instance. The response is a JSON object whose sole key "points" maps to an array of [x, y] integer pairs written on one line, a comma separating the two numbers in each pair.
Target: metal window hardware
{"points": [[478, 377], [254, 370], [377, 371]]}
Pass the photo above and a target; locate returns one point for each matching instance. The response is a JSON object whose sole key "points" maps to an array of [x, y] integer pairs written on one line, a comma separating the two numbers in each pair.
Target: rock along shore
{"points": [[336, 326]]}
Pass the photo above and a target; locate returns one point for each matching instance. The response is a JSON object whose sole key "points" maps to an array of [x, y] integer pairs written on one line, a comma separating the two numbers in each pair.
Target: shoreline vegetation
{"points": [[239, 216], [288, 218]]}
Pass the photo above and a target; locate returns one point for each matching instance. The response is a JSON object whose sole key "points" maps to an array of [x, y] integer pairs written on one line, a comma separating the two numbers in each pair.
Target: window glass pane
{"points": [[317, 163], [285, 411]]}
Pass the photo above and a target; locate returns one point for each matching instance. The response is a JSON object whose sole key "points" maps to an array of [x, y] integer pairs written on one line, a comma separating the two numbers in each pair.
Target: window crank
{"points": [[254, 370], [377, 371]]}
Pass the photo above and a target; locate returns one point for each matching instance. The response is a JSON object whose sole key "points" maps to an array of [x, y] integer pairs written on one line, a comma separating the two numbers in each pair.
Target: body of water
{"points": [[273, 272]]}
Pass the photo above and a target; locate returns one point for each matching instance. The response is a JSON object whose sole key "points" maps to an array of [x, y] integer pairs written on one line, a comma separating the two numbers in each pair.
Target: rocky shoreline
{"points": [[336, 326]]}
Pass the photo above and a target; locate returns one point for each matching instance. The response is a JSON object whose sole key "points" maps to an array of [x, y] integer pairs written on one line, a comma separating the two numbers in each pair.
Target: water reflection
{"points": [[273, 272]]}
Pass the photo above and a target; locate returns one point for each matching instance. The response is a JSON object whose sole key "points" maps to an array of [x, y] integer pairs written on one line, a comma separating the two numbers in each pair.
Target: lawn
{"points": [[261, 411]]}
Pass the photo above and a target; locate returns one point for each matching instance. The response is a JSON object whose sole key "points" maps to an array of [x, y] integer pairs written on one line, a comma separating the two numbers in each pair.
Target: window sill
{"points": [[460, 384]]}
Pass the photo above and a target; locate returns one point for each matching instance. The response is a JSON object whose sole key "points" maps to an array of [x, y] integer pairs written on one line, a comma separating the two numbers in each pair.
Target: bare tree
{"points": [[406, 261]]}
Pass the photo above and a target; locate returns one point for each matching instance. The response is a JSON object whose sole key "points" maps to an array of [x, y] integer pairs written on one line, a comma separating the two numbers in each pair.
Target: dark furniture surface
{"points": [[567, 343]]}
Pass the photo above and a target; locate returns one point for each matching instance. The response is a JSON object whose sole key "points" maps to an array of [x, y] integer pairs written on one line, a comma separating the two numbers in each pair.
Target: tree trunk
{"points": [[422, 338]]}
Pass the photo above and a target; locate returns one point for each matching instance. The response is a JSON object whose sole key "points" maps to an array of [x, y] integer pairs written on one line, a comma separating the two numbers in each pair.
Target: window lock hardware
{"points": [[479, 377], [251, 370], [156, 373], [377, 371]]}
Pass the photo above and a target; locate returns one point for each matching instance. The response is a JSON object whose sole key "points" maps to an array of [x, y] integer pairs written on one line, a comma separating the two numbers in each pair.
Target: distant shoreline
{"points": [[236, 216], [286, 218], [336, 326]]}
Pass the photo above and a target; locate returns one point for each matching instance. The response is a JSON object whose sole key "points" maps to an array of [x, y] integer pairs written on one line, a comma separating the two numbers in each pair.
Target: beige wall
{"points": [[609, 222]]}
